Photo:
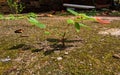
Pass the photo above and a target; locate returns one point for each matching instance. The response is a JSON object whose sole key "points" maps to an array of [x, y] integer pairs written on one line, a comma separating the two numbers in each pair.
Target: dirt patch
{"points": [[112, 31], [109, 18], [32, 52]]}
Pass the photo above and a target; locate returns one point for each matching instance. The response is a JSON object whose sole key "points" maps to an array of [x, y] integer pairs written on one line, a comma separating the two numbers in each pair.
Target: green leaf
{"points": [[36, 22], [21, 17], [77, 26], [47, 33], [33, 20], [40, 25], [70, 21], [72, 12], [33, 15], [82, 25], [85, 17], [92, 19], [1, 16], [11, 17]]}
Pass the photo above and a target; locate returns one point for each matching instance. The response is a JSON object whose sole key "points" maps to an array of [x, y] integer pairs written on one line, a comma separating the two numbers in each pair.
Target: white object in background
{"points": [[78, 6]]}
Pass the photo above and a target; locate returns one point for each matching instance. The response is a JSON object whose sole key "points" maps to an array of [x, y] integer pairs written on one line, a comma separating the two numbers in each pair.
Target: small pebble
{"points": [[66, 53], [57, 52], [19, 31], [81, 62], [90, 64], [59, 58]]}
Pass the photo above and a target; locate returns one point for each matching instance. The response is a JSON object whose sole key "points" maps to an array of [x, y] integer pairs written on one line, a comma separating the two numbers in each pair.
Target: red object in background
{"points": [[102, 21]]}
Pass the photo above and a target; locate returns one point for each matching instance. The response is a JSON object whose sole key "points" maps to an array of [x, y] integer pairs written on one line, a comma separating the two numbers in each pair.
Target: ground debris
{"points": [[117, 56], [5, 59], [66, 53], [59, 58], [112, 31], [19, 31]]}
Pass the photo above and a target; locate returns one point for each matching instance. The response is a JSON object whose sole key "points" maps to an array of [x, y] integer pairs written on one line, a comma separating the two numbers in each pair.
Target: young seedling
{"points": [[77, 22]]}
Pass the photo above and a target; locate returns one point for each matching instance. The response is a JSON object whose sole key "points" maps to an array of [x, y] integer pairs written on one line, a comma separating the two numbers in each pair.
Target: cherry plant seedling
{"points": [[77, 22]]}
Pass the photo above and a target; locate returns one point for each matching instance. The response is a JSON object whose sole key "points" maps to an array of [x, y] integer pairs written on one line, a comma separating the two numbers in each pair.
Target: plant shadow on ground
{"points": [[25, 47], [21, 46], [57, 45], [36, 50]]}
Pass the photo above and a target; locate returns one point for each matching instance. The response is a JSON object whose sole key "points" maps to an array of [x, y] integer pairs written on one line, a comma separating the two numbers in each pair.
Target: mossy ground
{"points": [[89, 53]]}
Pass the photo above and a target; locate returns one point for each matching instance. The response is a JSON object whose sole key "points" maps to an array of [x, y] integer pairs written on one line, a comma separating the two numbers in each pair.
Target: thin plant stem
{"points": [[63, 38]]}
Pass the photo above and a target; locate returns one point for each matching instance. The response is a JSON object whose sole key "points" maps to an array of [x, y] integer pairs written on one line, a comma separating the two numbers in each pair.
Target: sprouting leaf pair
{"points": [[80, 16], [76, 21], [76, 24]]}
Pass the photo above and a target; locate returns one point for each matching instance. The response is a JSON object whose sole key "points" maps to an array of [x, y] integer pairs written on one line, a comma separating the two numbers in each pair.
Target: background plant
{"points": [[31, 17], [16, 7]]}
